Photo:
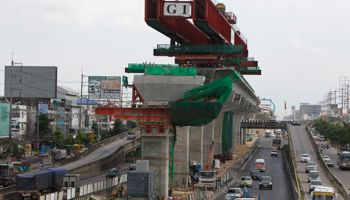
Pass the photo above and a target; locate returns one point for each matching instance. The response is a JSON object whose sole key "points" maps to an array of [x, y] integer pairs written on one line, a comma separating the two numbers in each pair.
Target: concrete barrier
{"points": [[291, 168], [337, 184]]}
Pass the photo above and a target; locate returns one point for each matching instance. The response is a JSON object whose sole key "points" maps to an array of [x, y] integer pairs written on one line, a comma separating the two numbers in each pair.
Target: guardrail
{"points": [[333, 179], [92, 148], [291, 168]]}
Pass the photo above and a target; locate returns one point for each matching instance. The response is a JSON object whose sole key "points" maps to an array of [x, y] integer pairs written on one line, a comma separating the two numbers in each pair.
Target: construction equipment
{"points": [[208, 161]]}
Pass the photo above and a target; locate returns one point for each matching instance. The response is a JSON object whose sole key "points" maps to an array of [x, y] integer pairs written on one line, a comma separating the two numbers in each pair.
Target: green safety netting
{"points": [[162, 69], [219, 89], [198, 48], [227, 132], [193, 113], [196, 113]]}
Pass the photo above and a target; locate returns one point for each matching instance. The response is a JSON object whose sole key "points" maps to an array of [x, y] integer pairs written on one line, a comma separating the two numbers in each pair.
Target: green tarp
{"points": [[161, 69], [4, 119]]}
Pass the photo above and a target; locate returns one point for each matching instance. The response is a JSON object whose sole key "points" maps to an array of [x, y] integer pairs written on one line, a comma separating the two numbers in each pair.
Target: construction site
{"points": [[189, 112]]}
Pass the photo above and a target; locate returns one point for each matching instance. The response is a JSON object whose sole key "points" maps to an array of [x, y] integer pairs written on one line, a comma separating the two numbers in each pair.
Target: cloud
{"points": [[297, 43]]}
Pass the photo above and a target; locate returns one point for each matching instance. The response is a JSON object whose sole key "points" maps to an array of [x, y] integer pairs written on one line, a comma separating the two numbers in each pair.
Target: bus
{"points": [[344, 160], [324, 193]]}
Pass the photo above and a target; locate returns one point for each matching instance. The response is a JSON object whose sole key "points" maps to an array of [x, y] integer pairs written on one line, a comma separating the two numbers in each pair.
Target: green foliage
{"points": [[11, 149], [131, 124], [118, 126], [94, 127], [44, 125], [336, 133], [81, 137]]}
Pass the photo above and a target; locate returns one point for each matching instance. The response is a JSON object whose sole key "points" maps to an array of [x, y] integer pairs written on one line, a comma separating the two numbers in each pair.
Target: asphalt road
{"points": [[102, 178], [274, 168], [98, 154], [302, 145]]}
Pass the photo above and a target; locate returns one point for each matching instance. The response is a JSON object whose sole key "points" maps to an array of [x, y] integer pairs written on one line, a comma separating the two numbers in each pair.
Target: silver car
{"points": [[131, 136], [234, 193], [315, 183], [313, 175], [310, 166]]}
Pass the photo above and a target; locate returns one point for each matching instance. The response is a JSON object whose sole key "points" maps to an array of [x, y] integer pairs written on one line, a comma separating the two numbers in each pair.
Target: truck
{"points": [[32, 184], [71, 180], [268, 133], [344, 160], [276, 143], [24, 167], [207, 178], [278, 133], [57, 177], [45, 162], [324, 192], [58, 154], [274, 151], [7, 176]]}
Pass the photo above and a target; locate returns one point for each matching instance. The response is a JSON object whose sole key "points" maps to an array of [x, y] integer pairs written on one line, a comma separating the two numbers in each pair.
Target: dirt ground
{"points": [[240, 151]]}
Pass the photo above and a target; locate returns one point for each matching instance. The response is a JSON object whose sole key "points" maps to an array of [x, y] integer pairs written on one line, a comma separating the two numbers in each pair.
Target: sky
{"points": [[302, 46]]}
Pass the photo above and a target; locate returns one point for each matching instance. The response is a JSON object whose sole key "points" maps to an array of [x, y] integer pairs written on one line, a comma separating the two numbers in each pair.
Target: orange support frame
{"points": [[158, 115]]}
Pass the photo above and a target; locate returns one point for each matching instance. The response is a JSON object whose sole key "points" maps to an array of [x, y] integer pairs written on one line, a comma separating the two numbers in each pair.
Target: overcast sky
{"points": [[302, 46]]}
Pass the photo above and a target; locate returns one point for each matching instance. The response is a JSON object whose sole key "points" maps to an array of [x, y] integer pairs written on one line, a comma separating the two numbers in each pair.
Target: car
{"points": [[313, 175], [255, 174], [234, 193], [267, 135], [310, 166], [246, 181], [272, 121], [305, 157], [131, 136], [272, 135], [326, 158], [329, 163], [296, 123], [265, 182], [315, 183]]}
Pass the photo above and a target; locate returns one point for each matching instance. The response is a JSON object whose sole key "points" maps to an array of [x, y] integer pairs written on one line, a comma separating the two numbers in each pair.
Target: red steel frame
{"points": [[179, 29]]}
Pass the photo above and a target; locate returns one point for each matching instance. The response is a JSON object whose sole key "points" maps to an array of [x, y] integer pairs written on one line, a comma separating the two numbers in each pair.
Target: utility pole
{"points": [[347, 104], [37, 129], [10, 115], [81, 99]]}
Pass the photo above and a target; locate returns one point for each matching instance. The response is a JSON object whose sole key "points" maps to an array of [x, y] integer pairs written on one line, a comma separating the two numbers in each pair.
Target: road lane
{"points": [[275, 168]]}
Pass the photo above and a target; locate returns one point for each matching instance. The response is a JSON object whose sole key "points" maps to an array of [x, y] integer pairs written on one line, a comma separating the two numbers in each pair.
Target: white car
{"points": [[326, 158], [272, 135], [305, 157], [313, 175], [131, 136], [315, 183], [234, 193]]}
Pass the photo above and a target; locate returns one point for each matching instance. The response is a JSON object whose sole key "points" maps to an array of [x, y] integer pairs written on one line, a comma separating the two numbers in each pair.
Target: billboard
{"points": [[344, 111], [4, 119], [31, 82], [104, 87], [43, 108]]}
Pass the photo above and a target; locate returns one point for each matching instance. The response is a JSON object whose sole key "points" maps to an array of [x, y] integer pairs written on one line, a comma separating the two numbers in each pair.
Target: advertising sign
{"points": [[4, 119], [43, 149], [43, 108], [344, 111], [104, 87]]}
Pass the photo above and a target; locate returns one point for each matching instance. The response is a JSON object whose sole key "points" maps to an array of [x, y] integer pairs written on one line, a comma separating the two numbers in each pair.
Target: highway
{"points": [[302, 145], [98, 154], [274, 168]]}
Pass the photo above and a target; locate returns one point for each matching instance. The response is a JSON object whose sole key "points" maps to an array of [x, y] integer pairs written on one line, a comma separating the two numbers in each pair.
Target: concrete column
{"points": [[156, 150], [236, 131], [196, 143], [218, 135], [181, 154]]}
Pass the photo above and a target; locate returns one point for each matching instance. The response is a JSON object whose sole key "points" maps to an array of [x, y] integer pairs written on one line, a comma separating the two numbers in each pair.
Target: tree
{"points": [[81, 137], [131, 124], [118, 126], [11, 149], [94, 127], [58, 139], [44, 125], [69, 140]]}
